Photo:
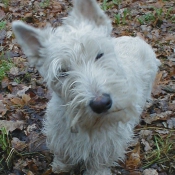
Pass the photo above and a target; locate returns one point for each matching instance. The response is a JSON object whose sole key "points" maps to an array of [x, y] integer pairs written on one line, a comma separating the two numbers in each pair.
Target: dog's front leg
{"points": [[59, 165]]}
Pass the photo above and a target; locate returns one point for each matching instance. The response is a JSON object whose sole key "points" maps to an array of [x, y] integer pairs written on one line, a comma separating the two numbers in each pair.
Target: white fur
{"points": [[65, 57]]}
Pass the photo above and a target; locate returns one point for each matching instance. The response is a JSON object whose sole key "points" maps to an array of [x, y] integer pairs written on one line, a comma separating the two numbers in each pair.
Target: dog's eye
{"points": [[63, 73], [99, 56]]}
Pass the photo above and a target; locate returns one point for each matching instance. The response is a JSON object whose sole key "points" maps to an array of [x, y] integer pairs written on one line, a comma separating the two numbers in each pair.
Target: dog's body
{"points": [[100, 85]]}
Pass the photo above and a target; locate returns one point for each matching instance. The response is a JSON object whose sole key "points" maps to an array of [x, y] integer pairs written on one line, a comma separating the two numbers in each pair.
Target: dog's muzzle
{"points": [[101, 103]]}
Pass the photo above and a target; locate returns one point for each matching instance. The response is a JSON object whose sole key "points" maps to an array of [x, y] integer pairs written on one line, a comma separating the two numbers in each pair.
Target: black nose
{"points": [[101, 104]]}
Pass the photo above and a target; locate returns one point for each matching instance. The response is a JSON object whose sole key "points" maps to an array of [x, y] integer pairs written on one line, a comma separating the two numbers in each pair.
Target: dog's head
{"points": [[79, 63]]}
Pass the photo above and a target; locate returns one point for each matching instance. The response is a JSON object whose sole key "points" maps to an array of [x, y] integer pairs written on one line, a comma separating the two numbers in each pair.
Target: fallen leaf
{"points": [[30, 173], [157, 90], [5, 82], [17, 101], [155, 117], [9, 34], [2, 34], [134, 158], [169, 37], [171, 123], [11, 125], [14, 71], [26, 98], [31, 128], [2, 14], [158, 4], [48, 172], [37, 142], [20, 93], [145, 133], [147, 147], [150, 171], [20, 164], [3, 108], [18, 145], [164, 131], [32, 166]]}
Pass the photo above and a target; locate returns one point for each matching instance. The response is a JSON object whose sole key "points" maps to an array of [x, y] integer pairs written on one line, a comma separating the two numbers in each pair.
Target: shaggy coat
{"points": [[99, 86]]}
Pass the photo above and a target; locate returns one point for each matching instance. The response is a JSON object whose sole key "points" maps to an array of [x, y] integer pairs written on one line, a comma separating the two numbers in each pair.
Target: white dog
{"points": [[100, 85]]}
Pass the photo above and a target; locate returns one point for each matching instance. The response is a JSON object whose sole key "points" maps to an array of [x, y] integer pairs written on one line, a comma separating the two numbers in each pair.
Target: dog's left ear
{"points": [[90, 10]]}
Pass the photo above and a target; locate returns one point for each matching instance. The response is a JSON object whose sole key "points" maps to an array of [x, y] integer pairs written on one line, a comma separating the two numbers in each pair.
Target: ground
{"points": [[23, 95]]}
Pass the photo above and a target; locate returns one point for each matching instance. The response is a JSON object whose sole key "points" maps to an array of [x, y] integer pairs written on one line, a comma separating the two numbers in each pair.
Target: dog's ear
{"points": [[90, 10], [30, 40]]}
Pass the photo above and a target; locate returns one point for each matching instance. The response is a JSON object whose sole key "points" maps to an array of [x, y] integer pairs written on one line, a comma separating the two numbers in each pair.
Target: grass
{"points": [[17, 80], [27, 77], [170, 15], [146, 18], [107, 5], [122, 18], [5, 148], [157, 14], [163, 152], [5, 66], [6, 2], [2, 25], [45, 3]]}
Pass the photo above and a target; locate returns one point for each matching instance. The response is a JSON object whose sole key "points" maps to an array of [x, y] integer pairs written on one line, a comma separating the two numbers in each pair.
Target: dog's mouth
{"points": [[74, 128], [109, 113], [114, 111]]}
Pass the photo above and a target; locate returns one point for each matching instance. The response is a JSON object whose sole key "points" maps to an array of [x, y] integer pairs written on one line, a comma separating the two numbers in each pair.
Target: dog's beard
{"points": [[89, 121]]}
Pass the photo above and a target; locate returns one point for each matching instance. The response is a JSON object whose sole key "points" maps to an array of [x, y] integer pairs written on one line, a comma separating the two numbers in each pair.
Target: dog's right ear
{"points": [[30, 39], [90, 10]]}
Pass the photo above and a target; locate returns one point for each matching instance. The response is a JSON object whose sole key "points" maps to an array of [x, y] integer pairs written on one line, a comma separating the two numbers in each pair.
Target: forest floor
{"points": [[23, 95]]}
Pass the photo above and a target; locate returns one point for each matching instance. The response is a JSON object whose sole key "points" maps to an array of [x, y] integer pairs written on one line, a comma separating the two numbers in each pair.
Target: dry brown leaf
{"points": [[20, 164], [171, 107], [2, 14], [141, 36], [3, 109], [17, 101], [37, 142], [32, 166], [20, 93], [135, 173], [158, 78], [14, 71], [48, 172], [155, 117], [145, 133], [150, 171], [26, 98], [156, 87], [17, 144], [169, 37], [56, 7], [31, 128], [134, 159], [29, 173], [147, 147], [171, 123], [27, 15], [158, 4], [157, 90], [11, 125], [164, 131], [5, 82]]}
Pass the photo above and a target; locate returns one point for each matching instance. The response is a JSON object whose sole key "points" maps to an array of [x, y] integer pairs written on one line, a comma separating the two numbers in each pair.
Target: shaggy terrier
{"points": [[99, 85]]}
